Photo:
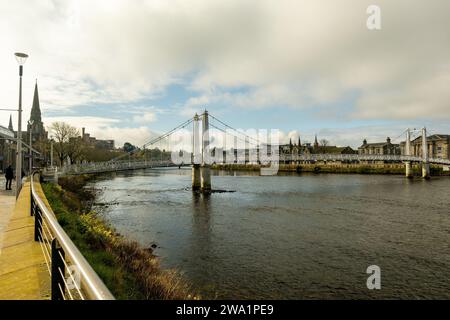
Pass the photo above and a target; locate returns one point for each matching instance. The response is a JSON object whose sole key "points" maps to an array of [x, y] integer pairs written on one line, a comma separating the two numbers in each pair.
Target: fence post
{"points": [[37, 222], [31, 198], [58, 271]]}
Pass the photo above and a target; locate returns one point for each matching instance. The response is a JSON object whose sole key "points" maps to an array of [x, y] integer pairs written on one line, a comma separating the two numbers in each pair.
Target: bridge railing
{"points": [[112, 166], [71, 275], [358, 157]]}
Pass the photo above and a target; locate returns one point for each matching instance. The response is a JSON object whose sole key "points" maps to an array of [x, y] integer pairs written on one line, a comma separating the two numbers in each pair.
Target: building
{"points": [[438, 146], [381, 148], [7, 147], [96, 143], [334, 150], [39, 138], [37, 127], [105, 144], [315, 148], [316, 144]]}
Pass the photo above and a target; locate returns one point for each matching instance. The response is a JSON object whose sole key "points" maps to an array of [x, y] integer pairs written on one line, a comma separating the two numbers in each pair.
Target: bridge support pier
{"points": [[408, 170], [426, 170], [426, 163], [196, 182], [205, 170], [205, 174]]}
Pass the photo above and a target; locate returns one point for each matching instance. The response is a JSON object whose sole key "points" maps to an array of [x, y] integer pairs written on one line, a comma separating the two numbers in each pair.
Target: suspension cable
{"points": [[168, 133], [224, 131], [238, 131], [157, 139]]}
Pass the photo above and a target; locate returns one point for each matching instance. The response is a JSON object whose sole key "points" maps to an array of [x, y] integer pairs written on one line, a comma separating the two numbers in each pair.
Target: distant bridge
{"points": [[200, 160]]}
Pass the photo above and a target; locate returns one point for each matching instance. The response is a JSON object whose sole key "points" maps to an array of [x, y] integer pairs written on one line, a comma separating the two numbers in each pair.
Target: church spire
{"points": [[36, 109], [316, 144], [10, 126]]}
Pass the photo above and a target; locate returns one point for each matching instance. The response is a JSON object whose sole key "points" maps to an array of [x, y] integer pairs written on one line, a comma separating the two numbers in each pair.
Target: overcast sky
{"points": [[125, 69]]}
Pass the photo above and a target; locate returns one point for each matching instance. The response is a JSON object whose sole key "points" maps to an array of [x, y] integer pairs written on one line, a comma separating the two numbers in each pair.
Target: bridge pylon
{"points": [[196, 182], [205, 170], [425, 161], [408, 169]]}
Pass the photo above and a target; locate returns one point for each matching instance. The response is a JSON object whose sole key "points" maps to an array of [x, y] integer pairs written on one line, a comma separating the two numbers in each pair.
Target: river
{"points": [[289, 236]]}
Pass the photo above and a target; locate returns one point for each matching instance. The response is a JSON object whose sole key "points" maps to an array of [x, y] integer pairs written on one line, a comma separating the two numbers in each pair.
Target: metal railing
{"points": [[72, 278], [109, 166], [359, 157]]}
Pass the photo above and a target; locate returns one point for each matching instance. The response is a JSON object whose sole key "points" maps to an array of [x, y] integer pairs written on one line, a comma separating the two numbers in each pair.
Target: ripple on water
{"points": [[291, 237]]}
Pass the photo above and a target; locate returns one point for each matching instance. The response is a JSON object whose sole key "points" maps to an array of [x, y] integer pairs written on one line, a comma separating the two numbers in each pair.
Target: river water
{"points": [[289, 236]]}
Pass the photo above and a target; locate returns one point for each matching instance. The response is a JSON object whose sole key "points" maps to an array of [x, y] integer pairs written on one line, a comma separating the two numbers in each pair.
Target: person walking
{"points": [[9, 175]]}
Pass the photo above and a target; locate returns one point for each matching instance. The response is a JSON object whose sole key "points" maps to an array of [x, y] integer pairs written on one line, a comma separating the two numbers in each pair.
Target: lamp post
{"points": [[21, 58], [51, 153], [30, 163]]}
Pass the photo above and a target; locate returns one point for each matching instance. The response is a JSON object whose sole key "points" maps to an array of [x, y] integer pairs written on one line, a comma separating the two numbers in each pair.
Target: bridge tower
{"points": [[425, 162], [196, 184], [408, 171], [205, 170]]}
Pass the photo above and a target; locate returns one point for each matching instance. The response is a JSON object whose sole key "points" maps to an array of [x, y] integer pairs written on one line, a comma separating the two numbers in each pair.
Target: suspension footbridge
{"points": [[220, 143]]}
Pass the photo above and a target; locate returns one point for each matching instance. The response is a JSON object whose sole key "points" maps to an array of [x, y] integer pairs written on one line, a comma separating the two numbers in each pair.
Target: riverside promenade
{"points": [[23, 273]]}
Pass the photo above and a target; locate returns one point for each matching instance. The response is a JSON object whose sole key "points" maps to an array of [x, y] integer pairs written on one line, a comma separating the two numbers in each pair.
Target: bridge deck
{"points": [[23, 274]]}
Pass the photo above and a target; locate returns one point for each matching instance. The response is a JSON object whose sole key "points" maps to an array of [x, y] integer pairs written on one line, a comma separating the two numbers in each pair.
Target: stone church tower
{"points": [[37, 128], [316, 143], [10, 126]]}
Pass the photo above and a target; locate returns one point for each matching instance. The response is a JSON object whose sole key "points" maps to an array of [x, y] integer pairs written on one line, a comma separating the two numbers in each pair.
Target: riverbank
{"points": [[128, 270], [358, 168]]}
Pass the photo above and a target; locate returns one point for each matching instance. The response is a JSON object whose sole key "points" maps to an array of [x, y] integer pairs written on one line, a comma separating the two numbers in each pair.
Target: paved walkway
{"points": [[7, 203], [23, 274]]}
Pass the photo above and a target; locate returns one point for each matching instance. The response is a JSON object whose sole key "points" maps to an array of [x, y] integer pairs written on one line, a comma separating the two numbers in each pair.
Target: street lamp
{"points": [[51, 152], [21, 58], [30, 163]]}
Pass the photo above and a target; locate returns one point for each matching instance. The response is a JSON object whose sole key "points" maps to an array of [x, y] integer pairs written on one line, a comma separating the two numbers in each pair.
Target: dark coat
{"points": [[9, 174]]}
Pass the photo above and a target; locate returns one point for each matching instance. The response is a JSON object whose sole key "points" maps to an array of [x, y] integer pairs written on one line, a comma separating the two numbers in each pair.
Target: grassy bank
{"points": [[128, 270], [398, 169]]}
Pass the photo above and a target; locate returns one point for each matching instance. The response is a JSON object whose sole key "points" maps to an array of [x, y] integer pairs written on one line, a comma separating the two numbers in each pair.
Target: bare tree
{"points": [[76, 149], [324, 142], [66, 138]]}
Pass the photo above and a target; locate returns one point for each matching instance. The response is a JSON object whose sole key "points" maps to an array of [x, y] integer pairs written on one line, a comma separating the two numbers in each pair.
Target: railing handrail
{"points": [[111, 166], [359, 157], [91, 283]]}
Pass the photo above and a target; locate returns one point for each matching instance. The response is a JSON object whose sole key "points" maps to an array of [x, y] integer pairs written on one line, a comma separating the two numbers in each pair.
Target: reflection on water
{"points": [[290, 236]]}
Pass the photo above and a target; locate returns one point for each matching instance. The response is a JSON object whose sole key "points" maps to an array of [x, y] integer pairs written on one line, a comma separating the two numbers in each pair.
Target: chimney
{"points": [[82, 132]]}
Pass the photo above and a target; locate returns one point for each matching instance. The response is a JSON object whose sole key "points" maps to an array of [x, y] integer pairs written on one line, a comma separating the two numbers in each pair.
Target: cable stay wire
{"points": [[401, 134], [168, 133], [230, 127], [156, 140], [235, 136]]}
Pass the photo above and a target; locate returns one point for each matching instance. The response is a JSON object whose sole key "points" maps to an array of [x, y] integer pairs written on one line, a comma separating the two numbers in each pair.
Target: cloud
{"points": [[146, 117], [303, 54], [106, 128]]}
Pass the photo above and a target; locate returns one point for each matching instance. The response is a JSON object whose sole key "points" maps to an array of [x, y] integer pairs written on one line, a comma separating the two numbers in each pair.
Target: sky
{"points": [[128, 70]]}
